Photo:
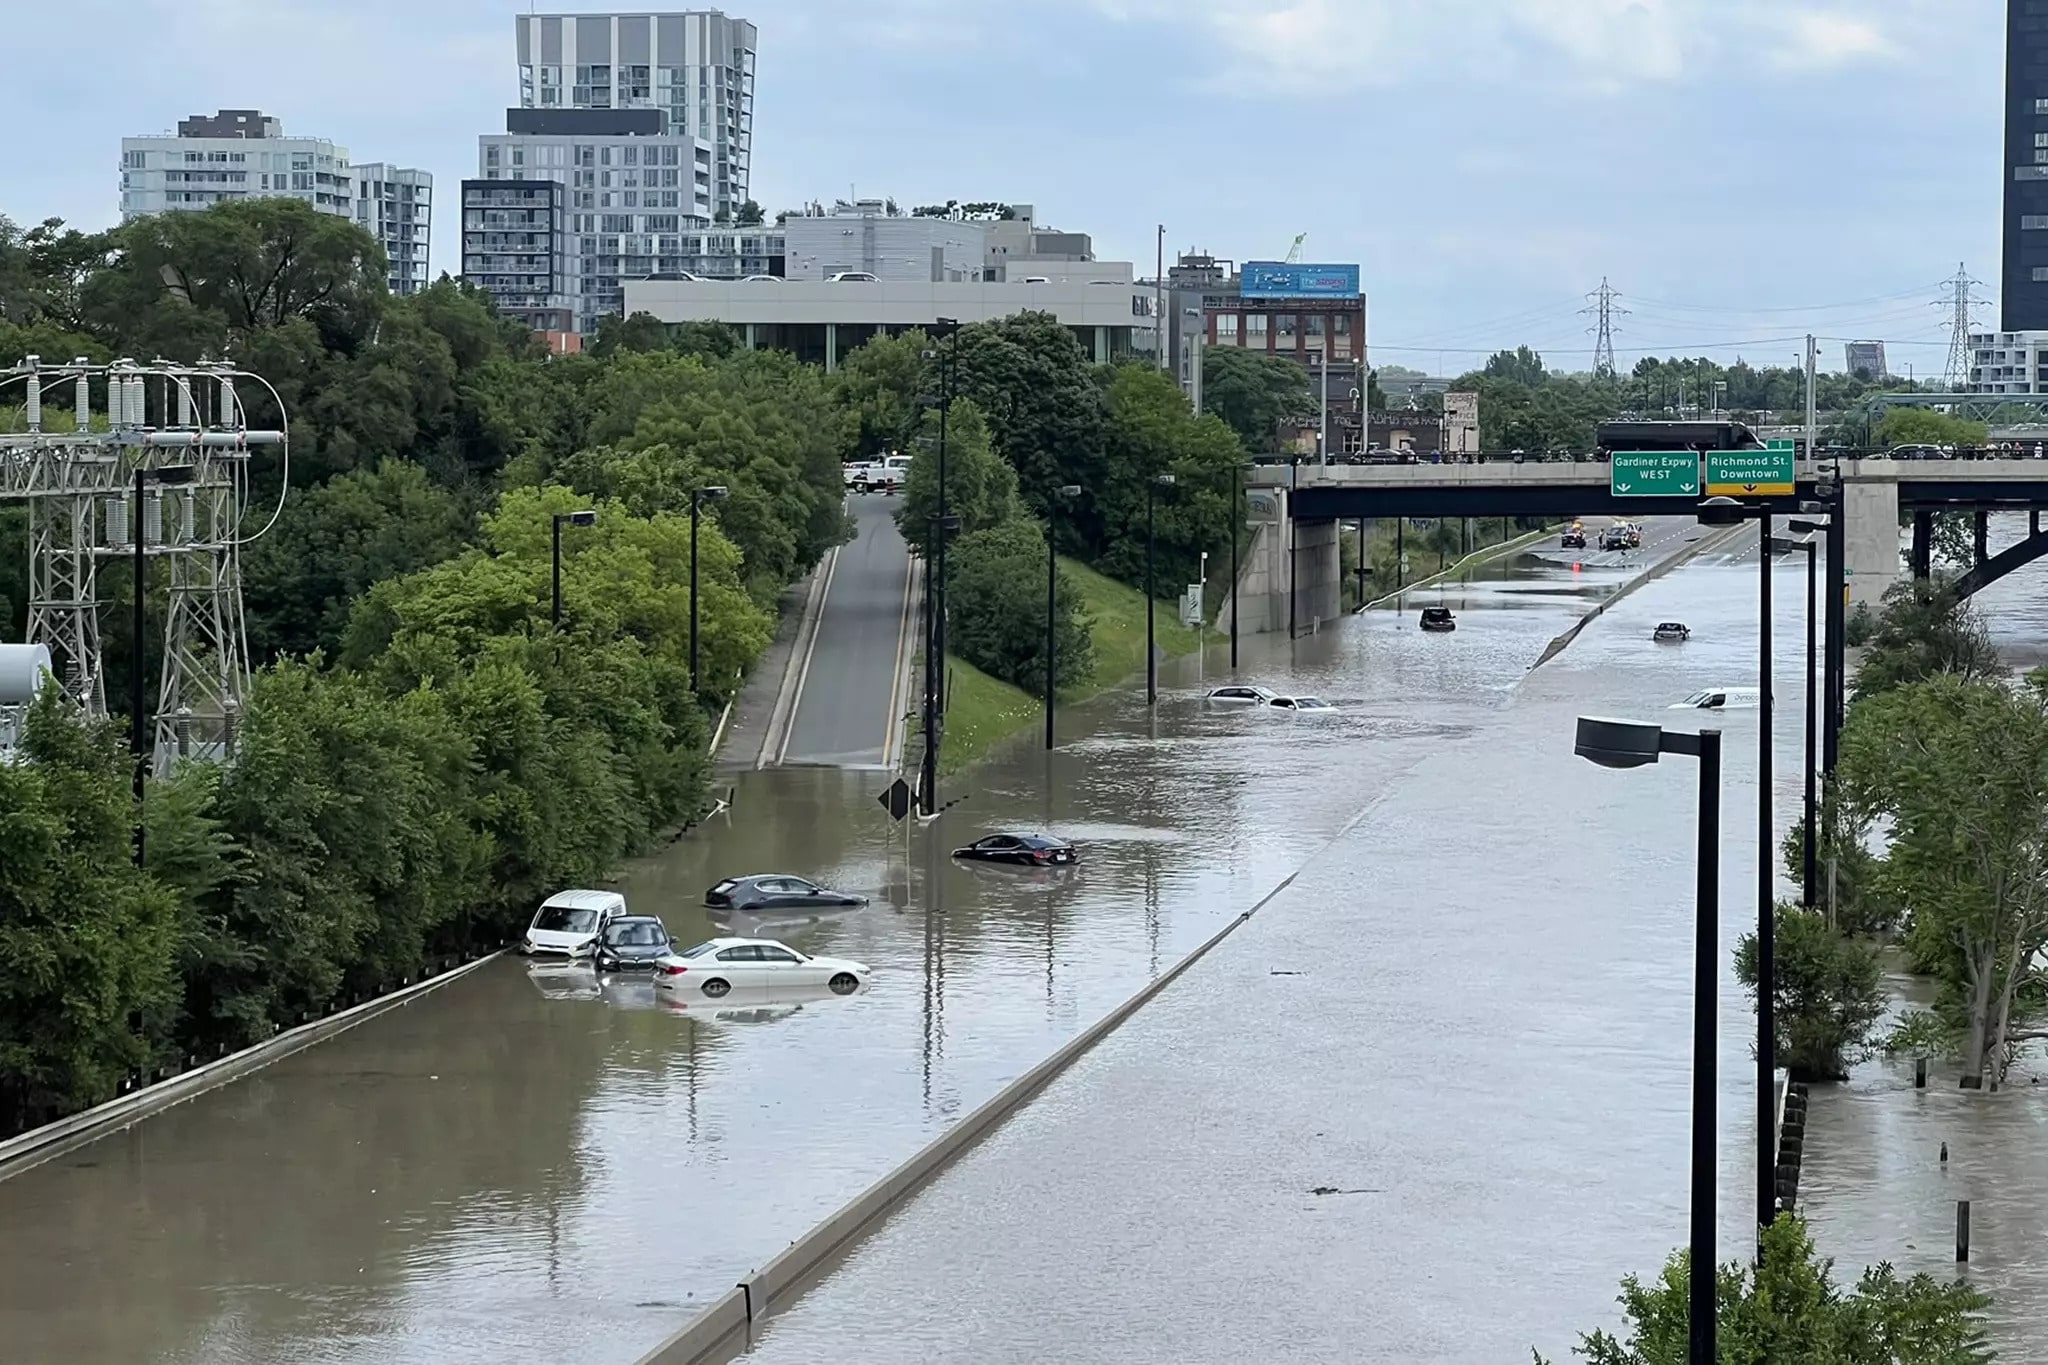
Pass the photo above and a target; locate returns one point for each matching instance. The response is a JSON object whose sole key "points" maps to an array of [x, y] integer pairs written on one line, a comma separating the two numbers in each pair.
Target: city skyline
{"points": [[1650, 145]]}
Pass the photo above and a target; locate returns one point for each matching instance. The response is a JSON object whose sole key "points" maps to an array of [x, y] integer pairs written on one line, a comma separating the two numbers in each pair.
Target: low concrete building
{"points": [[819, 321]]}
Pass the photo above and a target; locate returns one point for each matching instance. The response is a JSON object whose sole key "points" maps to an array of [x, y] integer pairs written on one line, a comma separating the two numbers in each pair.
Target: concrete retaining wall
{"points": [[1693, 551], [52, 1140]]}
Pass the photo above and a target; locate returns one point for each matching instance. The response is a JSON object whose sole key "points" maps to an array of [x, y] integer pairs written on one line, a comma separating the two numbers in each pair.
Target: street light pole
{"points": [[582, 518], [1236, 517], [1809, 855], [949, 328], [1052, 594], [1625, 744], [1152, 487], [1766, 910], [698, 497]]}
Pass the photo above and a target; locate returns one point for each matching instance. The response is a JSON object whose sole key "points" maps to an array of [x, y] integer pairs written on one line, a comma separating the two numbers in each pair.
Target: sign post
{"points": [[1654, 474], [1770, 472]]}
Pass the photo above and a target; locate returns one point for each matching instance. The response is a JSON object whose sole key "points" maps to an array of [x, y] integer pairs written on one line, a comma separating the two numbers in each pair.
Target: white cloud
{"points": [[1603, 45]]}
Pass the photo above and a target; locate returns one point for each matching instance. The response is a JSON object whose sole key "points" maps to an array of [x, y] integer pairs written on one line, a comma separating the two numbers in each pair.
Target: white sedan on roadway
{"points": [[1302, 706], [1243, 696], [720, 966]]}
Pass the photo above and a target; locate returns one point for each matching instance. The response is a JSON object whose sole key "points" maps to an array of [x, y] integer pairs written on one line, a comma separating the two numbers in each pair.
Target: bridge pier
{"points": [[1292, 575], [1923, 543], [1981, 537], [1870, 513]]}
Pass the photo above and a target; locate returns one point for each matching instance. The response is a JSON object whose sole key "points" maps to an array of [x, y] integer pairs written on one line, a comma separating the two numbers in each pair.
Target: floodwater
{"points": [[534, 1162], [1430, 1104]]}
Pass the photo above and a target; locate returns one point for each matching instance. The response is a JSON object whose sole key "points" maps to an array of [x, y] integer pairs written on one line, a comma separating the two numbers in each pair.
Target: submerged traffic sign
{"points": [[1751, 473], [1654, 474]]}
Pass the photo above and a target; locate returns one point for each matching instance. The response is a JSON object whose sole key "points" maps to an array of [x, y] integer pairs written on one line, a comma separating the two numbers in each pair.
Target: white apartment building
{"points": [[629, 193], [2009, 362], [395, 204], [694, 68], [245, 154]]}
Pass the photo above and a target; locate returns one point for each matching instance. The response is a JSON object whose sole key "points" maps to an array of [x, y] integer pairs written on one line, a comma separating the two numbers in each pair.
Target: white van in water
{"points": [[1722, 699], [569, 922]]}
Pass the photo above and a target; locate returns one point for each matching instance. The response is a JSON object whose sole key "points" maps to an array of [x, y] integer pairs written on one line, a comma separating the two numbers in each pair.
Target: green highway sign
{"points": [[1654, 474], [1751, 473]]}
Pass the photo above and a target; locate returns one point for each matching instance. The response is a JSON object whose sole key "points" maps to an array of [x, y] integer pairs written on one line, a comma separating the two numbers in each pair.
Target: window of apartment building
{"points": [[519, 156], [1316, 327], [604, 156], [2030, 172], [1255, 330], [586, 154], [2041, 106], [1226, 329], [2041, 272], [2034, 222], [630, 155], [1340, 339], [1286, 332], [631, 199]]}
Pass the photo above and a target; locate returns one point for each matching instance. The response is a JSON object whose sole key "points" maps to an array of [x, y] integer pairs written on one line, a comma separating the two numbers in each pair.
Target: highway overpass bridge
{"points": [[1292, 576]]}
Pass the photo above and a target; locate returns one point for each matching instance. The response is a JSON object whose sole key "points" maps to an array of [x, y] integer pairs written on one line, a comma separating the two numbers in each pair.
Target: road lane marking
{"points": [[899, 675], [797, 702]]}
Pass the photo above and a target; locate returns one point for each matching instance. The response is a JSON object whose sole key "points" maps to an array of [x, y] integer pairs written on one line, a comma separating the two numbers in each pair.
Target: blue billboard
{"points": [[1280, 280]]}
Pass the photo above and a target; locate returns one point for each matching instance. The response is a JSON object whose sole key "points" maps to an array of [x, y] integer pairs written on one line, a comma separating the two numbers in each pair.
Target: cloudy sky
{"points": [[1743, 171]]}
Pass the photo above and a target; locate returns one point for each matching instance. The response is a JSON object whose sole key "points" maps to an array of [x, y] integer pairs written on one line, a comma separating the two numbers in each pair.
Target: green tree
{"points": [[1924, 426], [750, 215], [1827, 997], [1958, 769], [1924, 631], [1044, 407], [250, 263], [331, 544], [981, 489], [996, 609], [1787, 1307], [639, 332], [878, 388], [90, 943], [1150, 433], [1251, 391], [1521, 366]]}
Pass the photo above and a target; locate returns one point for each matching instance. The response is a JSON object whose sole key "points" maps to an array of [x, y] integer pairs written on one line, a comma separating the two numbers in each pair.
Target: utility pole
{"points": [[1812, 410]]}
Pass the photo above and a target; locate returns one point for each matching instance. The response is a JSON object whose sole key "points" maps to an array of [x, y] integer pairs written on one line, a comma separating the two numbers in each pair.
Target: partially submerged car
{"points": [[1438, 619], [1671, 631]]}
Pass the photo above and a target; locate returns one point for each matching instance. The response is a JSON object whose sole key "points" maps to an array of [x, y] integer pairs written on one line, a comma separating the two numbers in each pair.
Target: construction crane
{"points": [[1294, 252]]}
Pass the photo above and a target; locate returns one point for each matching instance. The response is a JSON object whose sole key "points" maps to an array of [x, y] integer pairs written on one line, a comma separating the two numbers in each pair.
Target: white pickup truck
{"points": [[878, 476]]}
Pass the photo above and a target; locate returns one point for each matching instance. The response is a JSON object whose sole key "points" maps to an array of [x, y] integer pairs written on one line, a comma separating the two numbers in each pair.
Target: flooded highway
{"points": [[541, 1162], [1430, 1104]]}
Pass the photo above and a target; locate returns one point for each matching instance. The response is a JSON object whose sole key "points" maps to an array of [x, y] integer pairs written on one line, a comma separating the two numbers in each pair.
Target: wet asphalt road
{"points": [[1469, 1019], [846, 708], [535, 1156]]}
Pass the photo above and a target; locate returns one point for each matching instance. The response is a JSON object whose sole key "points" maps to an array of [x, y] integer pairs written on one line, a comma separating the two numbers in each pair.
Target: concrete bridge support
{"points": [[1292, 575], [1870, 512]]}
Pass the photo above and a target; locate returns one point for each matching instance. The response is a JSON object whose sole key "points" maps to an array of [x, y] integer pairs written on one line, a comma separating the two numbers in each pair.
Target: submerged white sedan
{"points": [[1303, 706], [719, 966], [1239, 695]]}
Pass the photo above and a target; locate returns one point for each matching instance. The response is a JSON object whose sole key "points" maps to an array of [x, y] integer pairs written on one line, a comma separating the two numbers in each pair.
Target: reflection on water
{"points": [[471, 1175]]}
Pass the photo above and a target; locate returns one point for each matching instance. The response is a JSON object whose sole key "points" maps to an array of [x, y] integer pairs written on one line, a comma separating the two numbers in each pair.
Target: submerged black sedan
{"points": [[1022, 850]]}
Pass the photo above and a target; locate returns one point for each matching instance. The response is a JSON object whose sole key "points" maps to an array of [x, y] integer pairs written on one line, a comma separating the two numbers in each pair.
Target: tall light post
{"points": [[138, 743], [698, 497], [1052, 594], [936, 536], [1628, 744], [585, 517], [1810, 858], [1236, 530], [1152, 487], [1323, 406], [1722, 512], [948, 330]]}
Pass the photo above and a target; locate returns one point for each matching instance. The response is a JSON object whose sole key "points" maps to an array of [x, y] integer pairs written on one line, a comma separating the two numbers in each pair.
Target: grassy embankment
{"points": [[985, 711]]}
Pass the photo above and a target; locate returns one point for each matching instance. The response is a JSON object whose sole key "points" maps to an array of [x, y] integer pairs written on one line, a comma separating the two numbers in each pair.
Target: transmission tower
{"points": [[1603, 349], [1960, 303], [166, 461]]}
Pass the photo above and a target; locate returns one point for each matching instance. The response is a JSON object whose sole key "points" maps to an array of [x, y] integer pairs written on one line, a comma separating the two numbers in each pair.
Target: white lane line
{"points": [[797, 702], [899, 673]]}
